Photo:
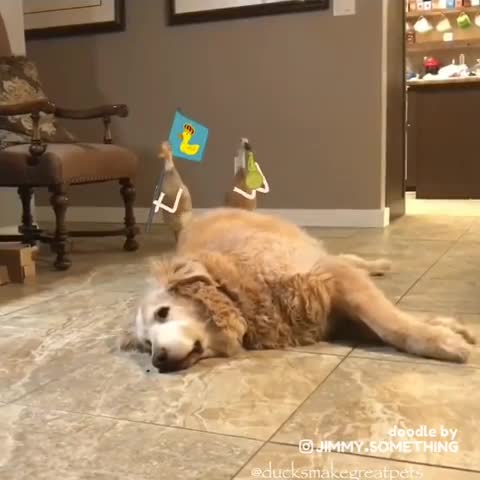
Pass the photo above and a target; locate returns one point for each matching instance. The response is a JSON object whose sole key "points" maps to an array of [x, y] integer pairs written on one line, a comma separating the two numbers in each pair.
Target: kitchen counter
{"points": [[467, 82]]}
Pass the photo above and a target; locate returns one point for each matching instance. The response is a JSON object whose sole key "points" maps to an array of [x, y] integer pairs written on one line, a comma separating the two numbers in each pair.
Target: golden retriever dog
{"points": [[242, 280]]}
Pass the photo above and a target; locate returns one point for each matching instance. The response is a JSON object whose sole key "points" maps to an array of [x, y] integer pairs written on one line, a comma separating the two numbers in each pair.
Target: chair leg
{"points": [[27, 229], [128, 193], [59, 202]]}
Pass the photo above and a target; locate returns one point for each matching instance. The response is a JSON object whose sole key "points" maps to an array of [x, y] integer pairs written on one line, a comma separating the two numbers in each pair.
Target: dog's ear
{"points": [[179, 270], [217, 308]]}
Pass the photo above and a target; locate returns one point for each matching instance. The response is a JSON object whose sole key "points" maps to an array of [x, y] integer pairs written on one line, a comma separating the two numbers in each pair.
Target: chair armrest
{"points": [[34, 107], [105, 112], [98, 112]]}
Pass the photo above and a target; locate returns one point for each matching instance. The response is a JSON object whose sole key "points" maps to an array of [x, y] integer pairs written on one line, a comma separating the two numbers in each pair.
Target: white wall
{"points": [[12, 14]]}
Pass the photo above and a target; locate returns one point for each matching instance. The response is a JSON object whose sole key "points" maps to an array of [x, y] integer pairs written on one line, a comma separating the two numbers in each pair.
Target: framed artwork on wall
{"points": [[52, 18], [192, 11]]}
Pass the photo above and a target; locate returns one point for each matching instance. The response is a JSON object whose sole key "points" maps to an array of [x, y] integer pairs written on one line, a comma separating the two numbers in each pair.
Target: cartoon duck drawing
{"points": [[255, 180], [175, 199], [185, 146], [232, 199]]}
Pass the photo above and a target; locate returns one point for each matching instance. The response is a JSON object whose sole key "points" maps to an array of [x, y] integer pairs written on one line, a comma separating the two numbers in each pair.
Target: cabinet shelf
{"points": [[422, 46], [443, 11]]}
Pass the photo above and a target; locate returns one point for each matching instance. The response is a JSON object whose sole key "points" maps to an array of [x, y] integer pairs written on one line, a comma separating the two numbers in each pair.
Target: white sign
{"points": [[344, 7]]}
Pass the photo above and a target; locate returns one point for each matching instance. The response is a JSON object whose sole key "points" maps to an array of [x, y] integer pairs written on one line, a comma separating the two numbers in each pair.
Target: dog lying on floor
{"points": [[241, 280]]}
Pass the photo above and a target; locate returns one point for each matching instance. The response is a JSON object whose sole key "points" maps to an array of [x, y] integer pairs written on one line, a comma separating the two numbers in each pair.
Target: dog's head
{"points": [[187, 315]]}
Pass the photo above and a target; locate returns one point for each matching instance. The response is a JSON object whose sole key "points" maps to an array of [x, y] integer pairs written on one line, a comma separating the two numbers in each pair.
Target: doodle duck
{"points": [[185, 137], [175, 194]]}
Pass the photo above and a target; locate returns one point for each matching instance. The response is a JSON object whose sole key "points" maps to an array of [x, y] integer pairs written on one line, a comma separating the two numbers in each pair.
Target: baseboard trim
{"points": [[303, 217]]}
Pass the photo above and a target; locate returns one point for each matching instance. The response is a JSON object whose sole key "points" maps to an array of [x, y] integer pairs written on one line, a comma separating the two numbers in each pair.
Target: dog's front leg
{"points": [[353, 292]]}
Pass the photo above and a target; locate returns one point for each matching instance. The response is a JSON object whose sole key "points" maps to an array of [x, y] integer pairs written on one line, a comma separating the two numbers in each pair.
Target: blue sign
{"points": [[188, 138]]}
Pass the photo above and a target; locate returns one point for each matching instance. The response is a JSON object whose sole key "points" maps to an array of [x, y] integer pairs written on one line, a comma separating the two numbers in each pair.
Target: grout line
{"points": [[268, 440], [48, 382], [420, 363], [390, 459], [127, 420], [18, 401], [49, 299], [428, 269], [453, 312], [310, 395]]}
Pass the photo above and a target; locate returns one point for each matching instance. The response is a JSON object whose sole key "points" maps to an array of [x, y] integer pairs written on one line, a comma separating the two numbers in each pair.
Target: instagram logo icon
{"points": [[306, 446]]}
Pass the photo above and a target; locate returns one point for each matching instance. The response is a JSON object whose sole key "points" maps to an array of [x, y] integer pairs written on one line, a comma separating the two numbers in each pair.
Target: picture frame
{"points": [[56, 18], [182, 12]]}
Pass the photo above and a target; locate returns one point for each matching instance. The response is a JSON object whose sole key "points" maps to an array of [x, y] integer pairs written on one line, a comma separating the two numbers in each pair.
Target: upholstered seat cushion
{"points": [[66, 163]]}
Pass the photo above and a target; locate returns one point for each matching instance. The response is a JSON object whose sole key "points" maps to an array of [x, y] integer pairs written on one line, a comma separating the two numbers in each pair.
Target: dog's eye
{"points": [[162, 313]]}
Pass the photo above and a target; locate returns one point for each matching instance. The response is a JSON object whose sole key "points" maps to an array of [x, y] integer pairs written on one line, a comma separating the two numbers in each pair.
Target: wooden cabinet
{"points": [[443, 155]]}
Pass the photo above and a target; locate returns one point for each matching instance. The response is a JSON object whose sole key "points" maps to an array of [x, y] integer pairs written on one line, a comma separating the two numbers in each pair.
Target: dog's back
{"points": [[253, 238]]}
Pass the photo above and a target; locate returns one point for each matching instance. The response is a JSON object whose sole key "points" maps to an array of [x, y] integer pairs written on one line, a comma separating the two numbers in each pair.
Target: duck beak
{"points": [[180, 136]]}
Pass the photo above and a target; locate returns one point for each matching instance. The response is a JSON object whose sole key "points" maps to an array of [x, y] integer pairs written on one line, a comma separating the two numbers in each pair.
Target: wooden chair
{"points": [[58, 166]]}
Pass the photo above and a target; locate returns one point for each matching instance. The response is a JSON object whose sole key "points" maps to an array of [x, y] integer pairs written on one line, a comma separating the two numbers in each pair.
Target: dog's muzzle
{"points": [[165, 362]]}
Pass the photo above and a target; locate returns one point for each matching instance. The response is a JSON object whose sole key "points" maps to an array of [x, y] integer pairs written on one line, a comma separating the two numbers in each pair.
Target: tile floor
{"points": [[72, 407]]}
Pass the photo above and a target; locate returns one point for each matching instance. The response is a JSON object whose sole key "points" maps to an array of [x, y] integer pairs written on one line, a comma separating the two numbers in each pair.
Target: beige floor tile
{"points": [[473, 233], [99, 308], [460, 263], [388, 353], [409, 259], [396, 284], [430, 227], [250, 395], [51, 284], [31, 358], [460, 295], [363, 400], [414, 254], [52, 445], [282, 461], [326, 348], [408, 264], [320, 232], [15, 296]]}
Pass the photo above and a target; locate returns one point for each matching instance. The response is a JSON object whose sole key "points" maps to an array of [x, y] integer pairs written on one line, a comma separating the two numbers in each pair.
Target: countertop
{"points": [[467, 82]]}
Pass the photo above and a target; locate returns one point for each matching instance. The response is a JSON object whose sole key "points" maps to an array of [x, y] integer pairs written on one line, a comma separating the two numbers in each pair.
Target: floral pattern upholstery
{"points": [[19, 82]]}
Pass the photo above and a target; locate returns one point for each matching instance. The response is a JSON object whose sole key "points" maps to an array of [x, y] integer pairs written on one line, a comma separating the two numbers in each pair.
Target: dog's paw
{"points": [[380, 266], [455, 326], [451, 346]]}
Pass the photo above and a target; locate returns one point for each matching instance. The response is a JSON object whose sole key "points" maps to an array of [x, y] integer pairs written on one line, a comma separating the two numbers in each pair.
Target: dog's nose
{"points": [[160, 358]]}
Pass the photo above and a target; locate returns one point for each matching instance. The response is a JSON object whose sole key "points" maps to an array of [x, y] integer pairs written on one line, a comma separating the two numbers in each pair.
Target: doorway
{"points": [[441, 48]]}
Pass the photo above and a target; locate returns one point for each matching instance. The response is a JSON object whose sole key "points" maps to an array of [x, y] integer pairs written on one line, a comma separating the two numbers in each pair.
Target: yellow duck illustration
{"points": [[186, 136]]}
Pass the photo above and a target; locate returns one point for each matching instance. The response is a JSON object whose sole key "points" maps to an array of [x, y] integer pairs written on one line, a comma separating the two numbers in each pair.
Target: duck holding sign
{"points": [[175, 200]]}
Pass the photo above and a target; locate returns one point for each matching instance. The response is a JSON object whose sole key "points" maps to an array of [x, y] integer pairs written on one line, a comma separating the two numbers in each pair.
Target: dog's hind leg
{"points": [[376, 267], [354, 293]]}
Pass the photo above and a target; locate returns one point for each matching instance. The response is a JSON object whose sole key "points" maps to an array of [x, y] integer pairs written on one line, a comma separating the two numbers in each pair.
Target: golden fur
{"points": [[253, 281]]}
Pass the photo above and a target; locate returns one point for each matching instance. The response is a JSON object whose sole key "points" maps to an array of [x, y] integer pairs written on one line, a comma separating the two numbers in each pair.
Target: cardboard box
{"points": [[18, 259], [4, 278]]}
